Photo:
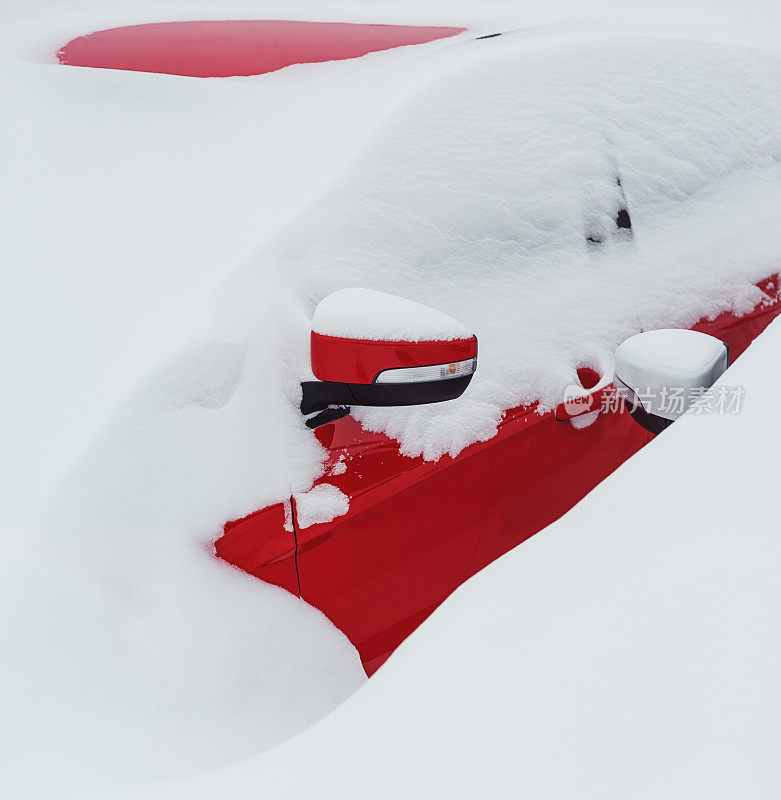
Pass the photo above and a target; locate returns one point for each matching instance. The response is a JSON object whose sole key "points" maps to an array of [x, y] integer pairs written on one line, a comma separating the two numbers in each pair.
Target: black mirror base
{"points": [[652, 423], [318, 395], [329, 415]]}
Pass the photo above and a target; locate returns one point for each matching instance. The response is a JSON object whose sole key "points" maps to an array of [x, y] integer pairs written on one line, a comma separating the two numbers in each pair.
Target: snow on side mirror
{"points": [[374, 349], [661, 373]]}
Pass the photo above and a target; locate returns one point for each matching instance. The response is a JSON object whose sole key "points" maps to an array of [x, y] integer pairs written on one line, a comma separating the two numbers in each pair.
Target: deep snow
{"points": [[155, 385]]}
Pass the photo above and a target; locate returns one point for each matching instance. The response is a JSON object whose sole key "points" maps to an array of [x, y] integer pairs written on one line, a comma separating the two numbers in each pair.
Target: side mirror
{"points": [[375, 349], [659, 374]]}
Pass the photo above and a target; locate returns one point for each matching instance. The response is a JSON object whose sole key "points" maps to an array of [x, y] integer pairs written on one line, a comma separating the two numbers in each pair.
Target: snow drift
{"points": [[128, 648]]}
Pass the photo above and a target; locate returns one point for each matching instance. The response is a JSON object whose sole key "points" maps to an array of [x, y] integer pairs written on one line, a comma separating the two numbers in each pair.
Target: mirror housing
{"points": [[659, 374], [374, 349]]}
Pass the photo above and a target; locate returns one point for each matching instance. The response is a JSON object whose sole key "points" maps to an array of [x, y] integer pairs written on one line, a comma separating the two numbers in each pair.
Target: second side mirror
{"points": [[661, 373]]}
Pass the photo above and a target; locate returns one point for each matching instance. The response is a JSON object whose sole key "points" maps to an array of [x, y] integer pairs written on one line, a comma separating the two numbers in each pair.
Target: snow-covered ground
{"points": [[166, 240]]}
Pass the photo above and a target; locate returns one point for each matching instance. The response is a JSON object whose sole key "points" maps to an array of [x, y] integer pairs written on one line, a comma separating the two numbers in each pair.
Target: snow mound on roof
{"points": [[494, 194], [365, 314]]}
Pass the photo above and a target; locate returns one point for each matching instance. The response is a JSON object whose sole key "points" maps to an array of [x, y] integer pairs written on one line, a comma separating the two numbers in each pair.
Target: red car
{"points": [[415, 530]]}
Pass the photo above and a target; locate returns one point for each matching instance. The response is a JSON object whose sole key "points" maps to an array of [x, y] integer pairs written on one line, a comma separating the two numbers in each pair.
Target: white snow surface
{"points": [[356, 313], [628, 650], [322, 503], [153, 381]]}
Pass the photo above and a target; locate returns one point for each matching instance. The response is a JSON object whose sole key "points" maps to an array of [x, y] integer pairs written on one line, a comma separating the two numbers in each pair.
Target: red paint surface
{"points": [[359, 361], [219, 49], [416, 530], [260, 544]]}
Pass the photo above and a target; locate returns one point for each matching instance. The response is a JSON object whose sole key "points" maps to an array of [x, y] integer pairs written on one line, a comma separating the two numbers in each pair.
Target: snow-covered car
{"points": [[180, 241], [558, 202]]}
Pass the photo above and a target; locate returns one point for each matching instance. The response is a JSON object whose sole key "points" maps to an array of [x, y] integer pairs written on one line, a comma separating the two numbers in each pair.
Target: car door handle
{"points": [[576, 406]]}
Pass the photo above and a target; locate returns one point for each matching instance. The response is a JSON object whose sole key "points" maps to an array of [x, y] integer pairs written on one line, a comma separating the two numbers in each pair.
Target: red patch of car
{"points": [[220, 49]]}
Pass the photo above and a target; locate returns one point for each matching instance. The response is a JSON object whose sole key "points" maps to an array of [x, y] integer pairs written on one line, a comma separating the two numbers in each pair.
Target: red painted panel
{"points": [[416, 530], [208, 49], [358, 360], [407, 539], [542, 467], [260, 545]]}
